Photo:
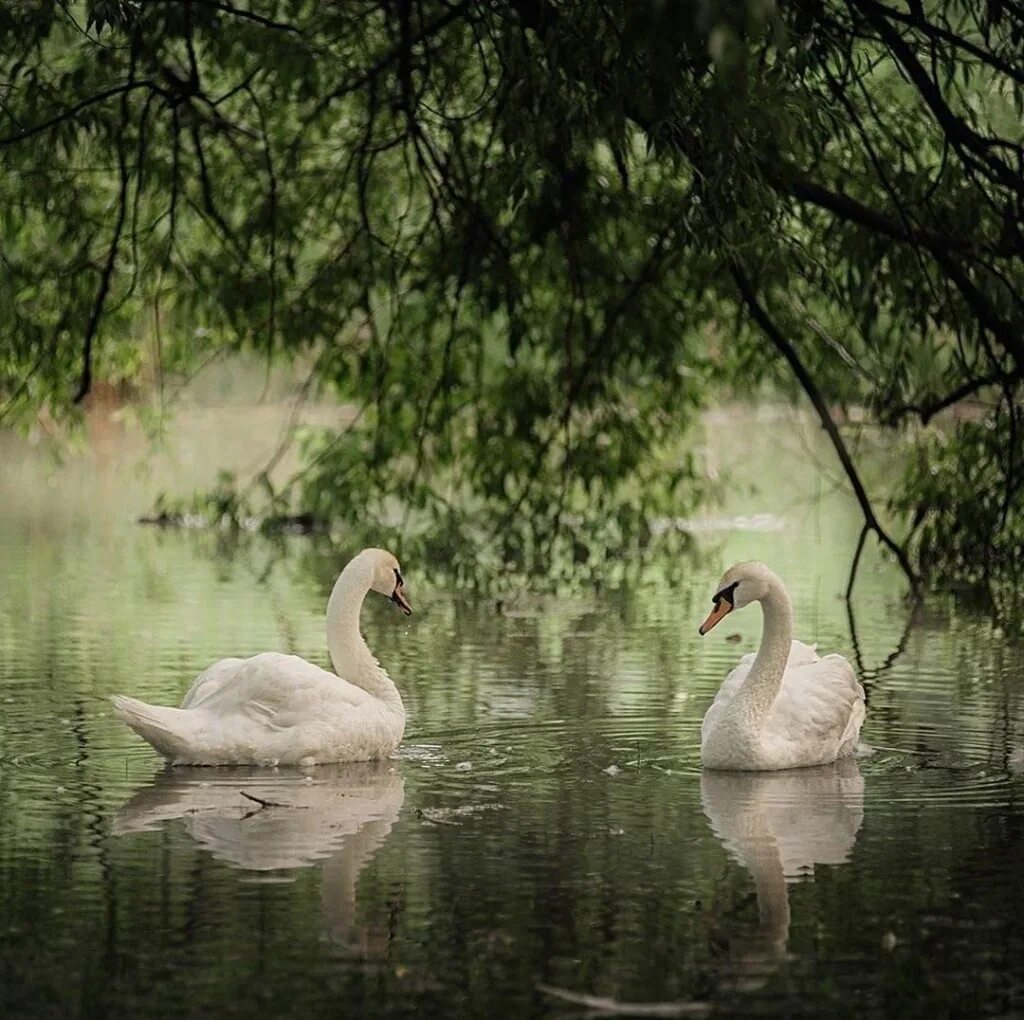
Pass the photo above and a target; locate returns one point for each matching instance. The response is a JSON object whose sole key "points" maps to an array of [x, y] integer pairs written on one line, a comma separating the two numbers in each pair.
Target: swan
{"points": [[785, 707], [275, 709]]}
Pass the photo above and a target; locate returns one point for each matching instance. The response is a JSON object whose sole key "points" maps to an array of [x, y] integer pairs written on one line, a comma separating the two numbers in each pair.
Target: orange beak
{"points": [[399, 599], [722, 609]]}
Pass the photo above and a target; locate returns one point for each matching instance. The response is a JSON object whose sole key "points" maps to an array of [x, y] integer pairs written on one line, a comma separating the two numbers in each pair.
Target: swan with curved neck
{"points": [[784, 707], [275, 709]]}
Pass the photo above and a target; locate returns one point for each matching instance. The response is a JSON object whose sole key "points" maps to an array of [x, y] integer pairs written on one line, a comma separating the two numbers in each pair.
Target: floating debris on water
{"points": [[600, 1004], [455, 815]]}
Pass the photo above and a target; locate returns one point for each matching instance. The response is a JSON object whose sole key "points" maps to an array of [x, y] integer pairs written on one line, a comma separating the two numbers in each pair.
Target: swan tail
{"points": [[851, 734], [162, 727]]}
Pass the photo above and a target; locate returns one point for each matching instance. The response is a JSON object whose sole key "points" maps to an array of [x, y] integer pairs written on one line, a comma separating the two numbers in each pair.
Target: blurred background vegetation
{"points": [[524, 243]]}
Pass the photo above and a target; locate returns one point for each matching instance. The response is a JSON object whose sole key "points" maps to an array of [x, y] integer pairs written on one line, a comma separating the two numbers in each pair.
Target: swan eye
{"points": [[728, 593]]}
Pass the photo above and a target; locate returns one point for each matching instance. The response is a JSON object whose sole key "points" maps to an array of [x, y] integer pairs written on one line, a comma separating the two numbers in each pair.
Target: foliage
{"points": [[963, 483], [526, 238]]}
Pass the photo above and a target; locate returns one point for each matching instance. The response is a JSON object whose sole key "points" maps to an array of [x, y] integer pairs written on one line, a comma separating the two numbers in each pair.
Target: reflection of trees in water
{"points": [[334, 818], [868, 675], [778, 826]]}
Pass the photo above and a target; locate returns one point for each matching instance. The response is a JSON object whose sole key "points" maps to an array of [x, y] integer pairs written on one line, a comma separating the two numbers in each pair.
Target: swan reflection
{"points": [[778, 826], [336, 817]]}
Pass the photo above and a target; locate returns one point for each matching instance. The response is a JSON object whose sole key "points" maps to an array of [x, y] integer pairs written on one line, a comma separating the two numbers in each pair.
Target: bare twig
{"points": [[262, 803], [600, 1004], [927, 410]]}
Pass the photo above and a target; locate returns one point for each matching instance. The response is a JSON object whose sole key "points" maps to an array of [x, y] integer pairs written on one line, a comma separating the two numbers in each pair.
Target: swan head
{"points": [[384, 576], [740, 585]]}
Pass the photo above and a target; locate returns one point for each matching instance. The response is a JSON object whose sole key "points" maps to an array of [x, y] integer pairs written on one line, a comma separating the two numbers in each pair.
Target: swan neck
{"points": [[351, 657], [765, 676]]}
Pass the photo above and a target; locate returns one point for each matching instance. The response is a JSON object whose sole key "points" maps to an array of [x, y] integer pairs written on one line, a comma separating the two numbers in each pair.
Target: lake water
{"points": [[545, 830]]}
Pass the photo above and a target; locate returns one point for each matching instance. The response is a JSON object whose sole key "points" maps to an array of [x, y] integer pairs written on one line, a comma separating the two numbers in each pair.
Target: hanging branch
{"points": [[807, 383], [103, 291], [870, 674], [272, 196], [926, 410], [74, 111]]}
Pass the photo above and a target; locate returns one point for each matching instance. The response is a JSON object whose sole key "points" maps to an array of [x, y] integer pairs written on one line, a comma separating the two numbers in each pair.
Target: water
{"points": [[545, 831]]}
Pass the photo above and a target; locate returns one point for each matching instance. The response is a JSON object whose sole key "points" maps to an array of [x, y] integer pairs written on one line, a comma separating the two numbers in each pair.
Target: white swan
{"points": [[785, 707], [276, 709]]}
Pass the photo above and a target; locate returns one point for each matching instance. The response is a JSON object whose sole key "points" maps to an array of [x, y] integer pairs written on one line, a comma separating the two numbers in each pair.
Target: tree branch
{"points": [[273, 199], [985, 312], [956, 129], [803, 189], [73, 111], [102, 292], [240, 12], [918, 21], [927, 411], [352, 85], [789, 353]]}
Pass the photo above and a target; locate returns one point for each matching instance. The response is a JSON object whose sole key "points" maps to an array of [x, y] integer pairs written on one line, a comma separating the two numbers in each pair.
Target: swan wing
{"points": [[211, 680], [270, 709], [800, 654], [818, 711], [277, 691]]}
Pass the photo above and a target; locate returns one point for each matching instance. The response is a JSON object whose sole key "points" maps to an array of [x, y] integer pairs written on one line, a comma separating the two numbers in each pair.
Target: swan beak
{"points": [[722, 609], [399, 599]]}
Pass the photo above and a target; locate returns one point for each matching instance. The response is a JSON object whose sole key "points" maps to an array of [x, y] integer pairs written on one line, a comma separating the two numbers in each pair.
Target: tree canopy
{"points": [[528, 238]]}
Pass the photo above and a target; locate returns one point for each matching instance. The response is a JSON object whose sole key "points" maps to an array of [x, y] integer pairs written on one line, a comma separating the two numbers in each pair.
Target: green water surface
{"points": [[545, 824]]}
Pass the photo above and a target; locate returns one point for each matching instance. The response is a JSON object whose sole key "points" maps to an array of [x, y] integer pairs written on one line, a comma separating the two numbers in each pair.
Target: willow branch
{"points": [[955, 128], [240, 12], [927, 411], [807, 383], [107, 275], [918, 21], [73, 111]]}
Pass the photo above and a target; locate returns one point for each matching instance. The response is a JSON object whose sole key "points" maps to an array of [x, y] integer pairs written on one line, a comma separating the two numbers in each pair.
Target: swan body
{"points": [[785, 707], [275, 709]]}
